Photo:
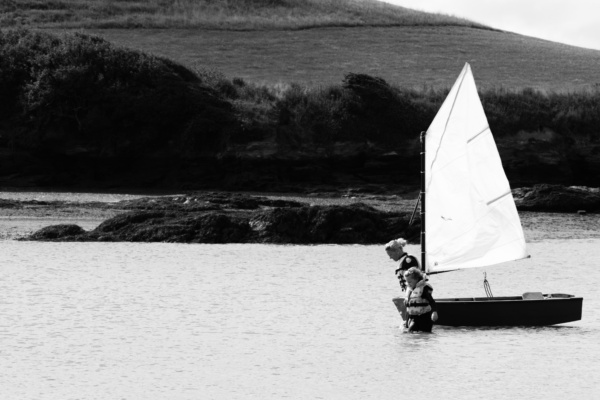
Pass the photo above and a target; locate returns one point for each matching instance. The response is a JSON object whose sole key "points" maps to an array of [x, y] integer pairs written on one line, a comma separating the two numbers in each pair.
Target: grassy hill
{"points": [[210, 14], [316, 42], [415, 57]]}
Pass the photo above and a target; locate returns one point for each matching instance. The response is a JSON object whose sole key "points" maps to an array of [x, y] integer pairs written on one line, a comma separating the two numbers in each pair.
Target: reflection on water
{"points": [[169, 321]]}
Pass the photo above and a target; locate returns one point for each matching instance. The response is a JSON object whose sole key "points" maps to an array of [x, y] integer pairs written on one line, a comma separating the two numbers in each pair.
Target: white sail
{"points": [[471, 218]]}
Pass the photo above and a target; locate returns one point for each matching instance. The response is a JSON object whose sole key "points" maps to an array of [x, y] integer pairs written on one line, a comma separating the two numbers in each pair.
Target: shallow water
{"points": [[68, 196], [172, 321]]}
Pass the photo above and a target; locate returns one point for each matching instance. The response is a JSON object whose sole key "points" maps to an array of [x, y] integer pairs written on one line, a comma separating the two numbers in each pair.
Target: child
{"points": [[420, 305]]}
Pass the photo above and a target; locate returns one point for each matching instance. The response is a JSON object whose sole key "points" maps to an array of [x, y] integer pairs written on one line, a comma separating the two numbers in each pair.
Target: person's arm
{"points": [[427, 296], [402, 283], [400, 274]]}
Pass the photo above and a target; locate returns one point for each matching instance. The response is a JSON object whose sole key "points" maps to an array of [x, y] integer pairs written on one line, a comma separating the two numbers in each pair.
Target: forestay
{"points": [[471, 217]]}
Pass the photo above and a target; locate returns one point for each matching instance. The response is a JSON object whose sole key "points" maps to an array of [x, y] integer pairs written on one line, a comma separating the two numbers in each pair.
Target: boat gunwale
{"points": [[498, 299]]}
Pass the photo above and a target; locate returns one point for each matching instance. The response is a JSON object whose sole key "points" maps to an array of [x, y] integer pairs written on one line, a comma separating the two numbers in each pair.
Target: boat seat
{"points": [[560, 296], [533, 296]]}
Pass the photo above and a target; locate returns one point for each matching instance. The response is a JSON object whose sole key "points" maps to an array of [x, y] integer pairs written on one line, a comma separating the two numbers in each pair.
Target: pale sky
{"points": [[574, 22]]}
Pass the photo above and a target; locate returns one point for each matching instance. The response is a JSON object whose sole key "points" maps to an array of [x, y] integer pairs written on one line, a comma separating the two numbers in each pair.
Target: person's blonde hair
{"points": [[396, 244], [414, 271]]}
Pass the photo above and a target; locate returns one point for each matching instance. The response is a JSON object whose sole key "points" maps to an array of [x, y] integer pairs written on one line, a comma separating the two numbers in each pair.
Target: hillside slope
{"points": [[415, 56], [210, 14], [316, 42]]}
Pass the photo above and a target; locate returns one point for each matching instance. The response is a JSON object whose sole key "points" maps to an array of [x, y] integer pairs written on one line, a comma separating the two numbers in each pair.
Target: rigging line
{"points": [[486, 286], [412, 217], [448, 119]]}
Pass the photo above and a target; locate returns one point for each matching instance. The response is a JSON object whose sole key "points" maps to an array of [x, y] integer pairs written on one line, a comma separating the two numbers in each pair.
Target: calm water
{"points": [[168, 321]]}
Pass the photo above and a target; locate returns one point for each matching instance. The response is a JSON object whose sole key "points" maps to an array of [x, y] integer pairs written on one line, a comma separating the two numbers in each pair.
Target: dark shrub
{"points": [[81, 90], [383, 114]]}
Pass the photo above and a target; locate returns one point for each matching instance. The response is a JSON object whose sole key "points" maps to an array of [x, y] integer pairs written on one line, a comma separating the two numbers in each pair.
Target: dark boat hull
{"points": [[505, 311]]}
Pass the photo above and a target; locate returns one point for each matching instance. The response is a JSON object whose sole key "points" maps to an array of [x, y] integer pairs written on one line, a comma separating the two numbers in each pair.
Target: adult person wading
{"points": [[395, 250]]}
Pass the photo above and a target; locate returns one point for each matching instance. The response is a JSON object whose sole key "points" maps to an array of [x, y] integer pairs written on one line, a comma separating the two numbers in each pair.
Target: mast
{"points": [[422, 197]]}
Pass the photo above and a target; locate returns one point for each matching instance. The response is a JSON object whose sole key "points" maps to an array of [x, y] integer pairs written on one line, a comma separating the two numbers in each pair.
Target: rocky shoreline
{"points": [[232, 217], [217, 217]]}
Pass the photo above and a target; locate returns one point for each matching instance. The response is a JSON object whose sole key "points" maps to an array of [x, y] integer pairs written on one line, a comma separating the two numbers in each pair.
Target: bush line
{"points": [[80, 91]]}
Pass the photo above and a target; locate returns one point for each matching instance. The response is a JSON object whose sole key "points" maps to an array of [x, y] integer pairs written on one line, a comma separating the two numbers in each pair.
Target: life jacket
{"points": [[406, 261], [415, 303]]}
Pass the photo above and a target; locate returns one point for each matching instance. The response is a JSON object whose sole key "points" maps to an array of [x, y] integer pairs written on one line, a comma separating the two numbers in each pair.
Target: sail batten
{"points": [[498, 198], [472, 220], [482, 131]]}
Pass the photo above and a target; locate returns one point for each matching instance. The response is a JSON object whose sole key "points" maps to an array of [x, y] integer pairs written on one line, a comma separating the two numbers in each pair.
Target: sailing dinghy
{"points": [[469, 218]]}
